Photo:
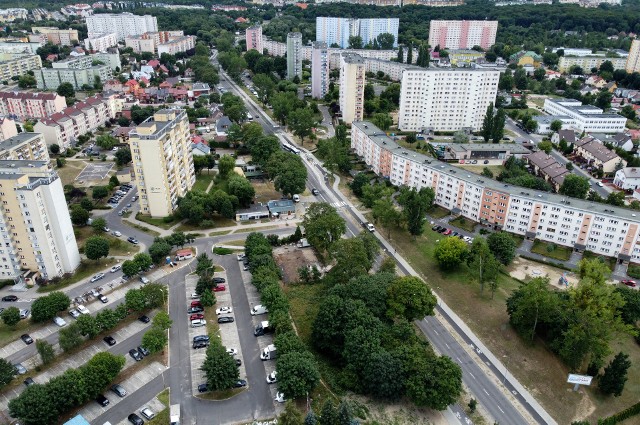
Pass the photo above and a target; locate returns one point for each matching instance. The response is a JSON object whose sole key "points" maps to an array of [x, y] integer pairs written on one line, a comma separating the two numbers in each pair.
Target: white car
{"points": [[97, 277], [59, 321], [74, 313], [240, 257], [195, 296], [280, 398], [272, 378], [232, 351], [224, 310], [600, 184], [115, 268], [147, 413], [116, 233], [82, 309]]}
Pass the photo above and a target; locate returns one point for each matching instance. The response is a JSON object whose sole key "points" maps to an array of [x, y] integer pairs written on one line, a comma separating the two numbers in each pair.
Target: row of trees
{"points": [[161, 248], [493, 124]]}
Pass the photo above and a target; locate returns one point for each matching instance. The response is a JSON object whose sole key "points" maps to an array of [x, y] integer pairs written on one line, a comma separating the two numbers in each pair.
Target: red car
{"points": [[219, 288], [448, 232], [196, 316], [629, 283], [196, 304]]}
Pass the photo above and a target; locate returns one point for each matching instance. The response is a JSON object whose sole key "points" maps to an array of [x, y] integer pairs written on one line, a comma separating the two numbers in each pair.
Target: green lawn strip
{"points": [[202, 181], [142, 228], [220, 233], [464, 224], [255, 229], [609, 261], [86, 269], [9, 334], [158, 222], [162, 417], [221, 395], [438, 212], [550, 250]]}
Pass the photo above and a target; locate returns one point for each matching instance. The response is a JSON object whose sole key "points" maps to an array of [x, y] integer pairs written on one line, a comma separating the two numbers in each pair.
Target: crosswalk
{"points": [[339, 204]]}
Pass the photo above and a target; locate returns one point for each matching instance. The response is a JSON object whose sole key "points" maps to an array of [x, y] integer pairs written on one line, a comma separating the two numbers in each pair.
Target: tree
{"points": [[450, 252], [400, 57], [575, 186], [46, 308], [616, 198], [7, 372], [630, 311], [503, 246], [45, 349], [79, 216], [96, 248], [264, 87], [290, 415], [226, 164], [498, 126], [107, 319], [100, 192], [482, 263], [487, 172], [86, 203], [220, 368], [123, 156], [88, 326], [135, 300], [351, 259], [382, 120], [100, 371], [359, 181], [11, 316], [288, 172], [55, 149], [66, 90], [70, 337], [556, 125], [487, 123], [460, 137], [594, 270], [323, 225], [26, 81], [288, 342], [437, 383], [301, 122], [385, 212], [99, 224], [297, 374], [240, 187], [628, 112], [328, 414], [106, 141], [143, 261], [155, 295], [155, 339], [263, 148], [615, 375], [415, 206], [409, 54], [410, 298], [385, 41], [545, 146], [159, 250], [355, 42], [130, 268], [35, 406]]}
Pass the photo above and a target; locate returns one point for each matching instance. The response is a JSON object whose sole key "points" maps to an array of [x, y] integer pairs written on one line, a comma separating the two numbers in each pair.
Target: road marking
{"points": [[500, 409], [486, 392], [472, 375], [447, 346]]}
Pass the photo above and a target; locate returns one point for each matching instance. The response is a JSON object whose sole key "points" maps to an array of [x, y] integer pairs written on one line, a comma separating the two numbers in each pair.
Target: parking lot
{"points": [[94, 172]]}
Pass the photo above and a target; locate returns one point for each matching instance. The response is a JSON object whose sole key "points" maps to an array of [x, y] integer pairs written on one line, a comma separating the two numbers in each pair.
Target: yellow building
{"points": [[526, 58], [464, 57], [162, 161], [633, 60]]}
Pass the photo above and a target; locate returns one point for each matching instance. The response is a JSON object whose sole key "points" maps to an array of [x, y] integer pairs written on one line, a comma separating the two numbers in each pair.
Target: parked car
{"points": [[103, 299], [135, 355], [195, 296], [109, 340], [224, 310], [200, 344], [240, 383], [219, 280], [102, 400], [629, 283], [144, 280], [20, 369], [447, 232], [196, 304], [197, 316], [29, 381], [24, 313], [147, 413], [442, 229], [219, 288], [280, 397], [116, 233], [143, 351], [315, 191], [59, 321], [132, 240], [232, 351], [238, 362], [115, 268], [135, 419], [203, 388], [26, 339], [240, 257], [10, 298], [225, 319], [193, 310], [97, 277], [144, 319], [272, 378], [74, 313], [198, 323], [119, 390], [436, 228], [82, 309], [201, 338]]}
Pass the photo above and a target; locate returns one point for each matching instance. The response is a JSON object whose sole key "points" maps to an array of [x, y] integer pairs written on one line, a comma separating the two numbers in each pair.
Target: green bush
{"points": [[634, 271], [222, 251], [621, 416]]}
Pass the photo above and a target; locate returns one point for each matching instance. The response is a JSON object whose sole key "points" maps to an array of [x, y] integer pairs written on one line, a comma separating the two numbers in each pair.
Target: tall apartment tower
{"points": [[294, 55], [352, 81], [253, 37], [163, 165], [462, 34], [446, 99], [319, 70], [35, 227], [123, 24], [333, 30], [633, 60]]}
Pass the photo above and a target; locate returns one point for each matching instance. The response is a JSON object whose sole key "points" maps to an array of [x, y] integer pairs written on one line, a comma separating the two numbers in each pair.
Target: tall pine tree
{"points": [[615, 375], [497, 133], [487, 124], [400, 54], [409, 53]]}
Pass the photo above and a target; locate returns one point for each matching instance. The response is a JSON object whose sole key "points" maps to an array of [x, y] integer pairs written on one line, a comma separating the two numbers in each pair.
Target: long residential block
{"points": [[462, 34], [588, 62], [79, 71], [16, 65], [585, 118], [576, 223], [446, 99], [60, 37], [333, 30], [123, 24], [100, 42], [21, 105]]}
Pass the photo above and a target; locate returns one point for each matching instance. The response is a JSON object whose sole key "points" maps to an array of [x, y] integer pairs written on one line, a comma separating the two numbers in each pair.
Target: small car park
{"points": [[26, 339], [109, 340], [135, 355], [102, 400], [119, 390]]}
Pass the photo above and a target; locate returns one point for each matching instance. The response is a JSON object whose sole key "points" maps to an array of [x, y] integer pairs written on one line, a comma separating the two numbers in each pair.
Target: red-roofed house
{"points": [[163, 69], [241, 20], [165, 85], [154, 63], [302, 6]]}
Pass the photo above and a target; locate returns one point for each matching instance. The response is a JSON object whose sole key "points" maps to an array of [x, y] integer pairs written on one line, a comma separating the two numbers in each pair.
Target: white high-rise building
{"points": [[319, 70], [446, 99], [352, 82], [123, 24], [462, 34], [294, 55], [338, 30]]}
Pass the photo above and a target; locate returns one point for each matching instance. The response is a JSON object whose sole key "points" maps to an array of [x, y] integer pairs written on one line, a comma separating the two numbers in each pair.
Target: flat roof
{"points": [[18, 140], [381, 139], [488, 147]]}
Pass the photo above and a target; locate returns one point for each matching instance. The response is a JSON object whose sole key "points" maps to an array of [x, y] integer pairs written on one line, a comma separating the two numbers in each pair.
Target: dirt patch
{"points": [[290, 258], [524, 270], [398, 413]]}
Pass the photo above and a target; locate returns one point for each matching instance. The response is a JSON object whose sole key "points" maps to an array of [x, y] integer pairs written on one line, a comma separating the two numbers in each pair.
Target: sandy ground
{"points": [[399, 413], [290, 258], [523, 269]]}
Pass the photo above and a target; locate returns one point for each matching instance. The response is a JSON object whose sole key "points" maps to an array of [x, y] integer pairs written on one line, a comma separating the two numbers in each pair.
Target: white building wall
{"points": [[123, 24]]}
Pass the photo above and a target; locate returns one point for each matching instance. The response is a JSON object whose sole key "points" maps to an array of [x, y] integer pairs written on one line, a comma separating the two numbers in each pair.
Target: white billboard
{"points": [[579, 379]]}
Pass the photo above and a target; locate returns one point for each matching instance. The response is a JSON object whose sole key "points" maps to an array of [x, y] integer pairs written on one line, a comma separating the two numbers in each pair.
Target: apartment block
{"points": [[462, 34], [24, 146], [334, 31], [434, 3], [587, 62], [162, 161], [159, 42], [7, 128], [393, 69], [63, 128], [123, 24], [352, 82], [59, 37], [35, 226], [294, 55], [100, 42], [319, 70], [446, 99], [23, 105], [253, 38], [575, 223], [17, 64], [78, 71], [10, 15], [585, 118], [633, 60]]}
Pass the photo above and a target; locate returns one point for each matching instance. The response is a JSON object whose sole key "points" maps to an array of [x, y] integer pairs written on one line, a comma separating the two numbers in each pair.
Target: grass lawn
{"points": [[609, 261], [265, 191], [142, 228], [218, 221], [550, 250], [8, 334], [203, 180], [438, 212], [86, 269], [252, 229], [117, 246], [220, 395], [495, 169], [220, 233], [158, 222], [464, 223]]}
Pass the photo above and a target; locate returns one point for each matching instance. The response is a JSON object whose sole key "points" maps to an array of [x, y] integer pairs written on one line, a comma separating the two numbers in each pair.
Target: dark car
{"points": [[29, 381], [200, 344], [121, 392], [102, 400], [315, 191], [193, 310], [201, 338], [10, 298], [143, 351], [629, 283], [219, 280], [436, 228], [26, 339], [135, 419], [135, 355], [225, 319], [144, 319], [238, 362], [109, 340], [442, 230], [134, 241], [203, 388], [240, 383]]}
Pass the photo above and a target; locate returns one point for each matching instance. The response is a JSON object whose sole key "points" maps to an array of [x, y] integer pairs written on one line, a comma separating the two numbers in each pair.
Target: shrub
{"points": [[634, 271]]}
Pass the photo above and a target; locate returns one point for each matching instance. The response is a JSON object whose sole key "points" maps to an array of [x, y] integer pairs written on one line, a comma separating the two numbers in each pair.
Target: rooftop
{"points": [[17, 140], [514, 148]]}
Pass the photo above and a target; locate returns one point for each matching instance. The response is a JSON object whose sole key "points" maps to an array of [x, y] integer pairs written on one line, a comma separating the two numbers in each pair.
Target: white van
{"points": [[198, 323], [296, 198], [259, 309]]}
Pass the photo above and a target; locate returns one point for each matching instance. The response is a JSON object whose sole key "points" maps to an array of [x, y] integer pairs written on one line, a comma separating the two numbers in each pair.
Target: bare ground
{"points": [[290, 258]]}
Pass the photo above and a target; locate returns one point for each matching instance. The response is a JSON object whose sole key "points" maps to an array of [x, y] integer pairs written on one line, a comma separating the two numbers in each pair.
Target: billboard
{"points": [[579, 379]]}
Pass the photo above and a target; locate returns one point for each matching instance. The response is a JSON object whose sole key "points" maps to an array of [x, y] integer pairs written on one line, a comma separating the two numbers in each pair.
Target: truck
{"points": [[303, 243], [263, 328], [174, 414], [270, 352], [259, 309]]}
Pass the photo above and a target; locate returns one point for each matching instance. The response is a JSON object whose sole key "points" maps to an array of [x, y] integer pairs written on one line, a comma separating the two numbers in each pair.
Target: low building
{"points": [[597, 155], [526, 58], [544, 122], [464, 57], [484, 151], [281, 207], [627, 178], [569, 136], [585, 118]]}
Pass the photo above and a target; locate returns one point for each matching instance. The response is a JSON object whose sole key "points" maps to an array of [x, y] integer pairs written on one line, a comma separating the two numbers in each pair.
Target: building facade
{"points": [[160, 42], [253, 38], [585, 118], [633, 60], [627, 178], [123, 24], [23, 105], [587, 62], [294, 55], [333, 30], [576, 223], [319, 70], [163, 163], [446, 99], [7, 128], [78, 71], [24, 146], [462, 34], [60, 37], [100, 42], [352, 82], [18, 64]]}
